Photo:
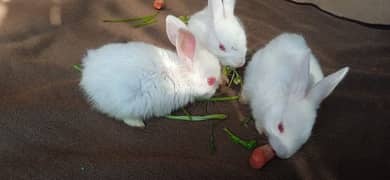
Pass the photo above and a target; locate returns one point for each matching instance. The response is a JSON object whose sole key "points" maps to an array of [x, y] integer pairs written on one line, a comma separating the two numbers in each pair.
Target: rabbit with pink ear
{"points": [[284, 85], [133, 81], [221, 32]]}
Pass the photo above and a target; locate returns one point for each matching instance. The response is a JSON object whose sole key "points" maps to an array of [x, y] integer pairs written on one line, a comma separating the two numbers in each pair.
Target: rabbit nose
{"points": [[280, 149], [242, 63]]}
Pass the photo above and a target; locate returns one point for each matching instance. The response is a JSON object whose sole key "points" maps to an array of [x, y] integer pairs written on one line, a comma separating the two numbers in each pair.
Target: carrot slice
{"points": [[158, 4], [260, 156]]}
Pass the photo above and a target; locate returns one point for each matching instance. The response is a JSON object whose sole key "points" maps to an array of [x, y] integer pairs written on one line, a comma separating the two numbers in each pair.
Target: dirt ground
{"points": [[48, 131]]}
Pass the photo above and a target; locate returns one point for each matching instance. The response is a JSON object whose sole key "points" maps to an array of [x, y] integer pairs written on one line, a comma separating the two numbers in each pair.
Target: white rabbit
{"points": [[134, 81], [285, 86], [221, 32]]}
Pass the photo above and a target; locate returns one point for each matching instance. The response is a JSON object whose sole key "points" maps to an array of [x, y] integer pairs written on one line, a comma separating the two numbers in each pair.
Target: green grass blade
{"points": [[141, 18], [197, 118], [212, 145], [144, 23], [247, 144], [185, 19], [77, 67], [231, 79], [226, 98], [187, 113]]}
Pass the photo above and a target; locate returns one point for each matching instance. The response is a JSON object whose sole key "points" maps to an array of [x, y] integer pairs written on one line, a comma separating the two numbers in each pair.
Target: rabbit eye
{"points": [[211, 81], [222, 47], [280, 127]]}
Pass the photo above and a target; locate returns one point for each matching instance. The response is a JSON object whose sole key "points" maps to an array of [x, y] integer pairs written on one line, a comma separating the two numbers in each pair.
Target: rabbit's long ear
{"points": [[221, 8], [300, 79], [323, 88], [185, 46], [228, 6], [173, 24], [217, 11]]}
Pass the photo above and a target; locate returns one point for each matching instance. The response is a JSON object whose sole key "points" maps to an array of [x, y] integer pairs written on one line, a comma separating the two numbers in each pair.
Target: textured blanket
{"points": [[48, 131]]}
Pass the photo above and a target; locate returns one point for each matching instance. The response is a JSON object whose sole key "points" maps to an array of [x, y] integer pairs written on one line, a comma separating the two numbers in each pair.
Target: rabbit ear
{"points": [[173, 24], [222, 8], [300, 80], [324, 87], [228, 6], [185, 45], [217, 9]]}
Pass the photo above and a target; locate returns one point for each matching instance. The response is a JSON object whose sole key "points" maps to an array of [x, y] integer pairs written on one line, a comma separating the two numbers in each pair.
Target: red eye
{"points": [[222, 47], [211, 81], [280, 127]]}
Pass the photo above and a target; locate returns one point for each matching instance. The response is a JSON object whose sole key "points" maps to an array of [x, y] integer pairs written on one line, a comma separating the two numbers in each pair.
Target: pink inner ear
{"points": [[186, 44]]}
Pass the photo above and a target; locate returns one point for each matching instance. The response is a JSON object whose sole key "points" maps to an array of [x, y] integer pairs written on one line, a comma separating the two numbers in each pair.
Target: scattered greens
{"points": [[249, 144], [137, 21], [233, 75], [185, 19], [77, 67], [197, 118]]}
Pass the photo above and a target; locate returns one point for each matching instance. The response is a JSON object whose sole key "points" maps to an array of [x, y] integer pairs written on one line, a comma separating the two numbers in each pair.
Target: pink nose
{"points": [[211, 81]]}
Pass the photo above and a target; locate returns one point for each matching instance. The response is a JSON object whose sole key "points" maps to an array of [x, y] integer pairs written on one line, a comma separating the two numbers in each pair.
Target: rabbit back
{"points": [[125, 80]]}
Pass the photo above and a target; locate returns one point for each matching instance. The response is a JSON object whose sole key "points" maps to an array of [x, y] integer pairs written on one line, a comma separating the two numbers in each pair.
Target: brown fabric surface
{"points": [[373, 11], [48, 131]]}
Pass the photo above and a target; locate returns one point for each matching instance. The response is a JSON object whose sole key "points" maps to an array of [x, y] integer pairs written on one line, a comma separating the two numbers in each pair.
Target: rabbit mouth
{"points": [[280, 149], [234, 63]]}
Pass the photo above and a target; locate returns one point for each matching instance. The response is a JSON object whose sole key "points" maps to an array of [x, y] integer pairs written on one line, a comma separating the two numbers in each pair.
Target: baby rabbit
{"points": [[133, 81], [285, 86], [221, 32]]}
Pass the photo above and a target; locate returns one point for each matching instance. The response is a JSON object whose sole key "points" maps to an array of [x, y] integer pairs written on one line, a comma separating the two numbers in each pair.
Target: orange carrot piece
{"points": [[158, 4], [260, 156]]}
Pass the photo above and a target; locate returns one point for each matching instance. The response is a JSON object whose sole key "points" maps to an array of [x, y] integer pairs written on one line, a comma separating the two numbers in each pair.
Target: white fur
{"points": [[284, 84], [133, 81], [216, 24]]}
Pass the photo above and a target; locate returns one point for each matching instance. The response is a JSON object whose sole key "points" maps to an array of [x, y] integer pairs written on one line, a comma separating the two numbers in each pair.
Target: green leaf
{"points": [[185, 19], [237, 77], [145, 23], [247, 144], [237, 80], [187, 113], [77, 67], [232, 75], [226, 70], [221, 99], [141, 18], [137, 21], [231, 79]]}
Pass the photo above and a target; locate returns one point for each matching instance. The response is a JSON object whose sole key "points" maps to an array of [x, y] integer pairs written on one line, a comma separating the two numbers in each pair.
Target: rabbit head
{"points": [[289, 122], [226, 38], [203, 67]]}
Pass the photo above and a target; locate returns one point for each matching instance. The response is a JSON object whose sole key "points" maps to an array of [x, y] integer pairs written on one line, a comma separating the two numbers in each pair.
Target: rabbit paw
{"points": [[135, 122]]}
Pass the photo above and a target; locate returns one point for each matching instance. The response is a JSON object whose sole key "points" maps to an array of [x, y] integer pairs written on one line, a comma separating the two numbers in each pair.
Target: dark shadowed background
{"points": [[48, 131]]}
